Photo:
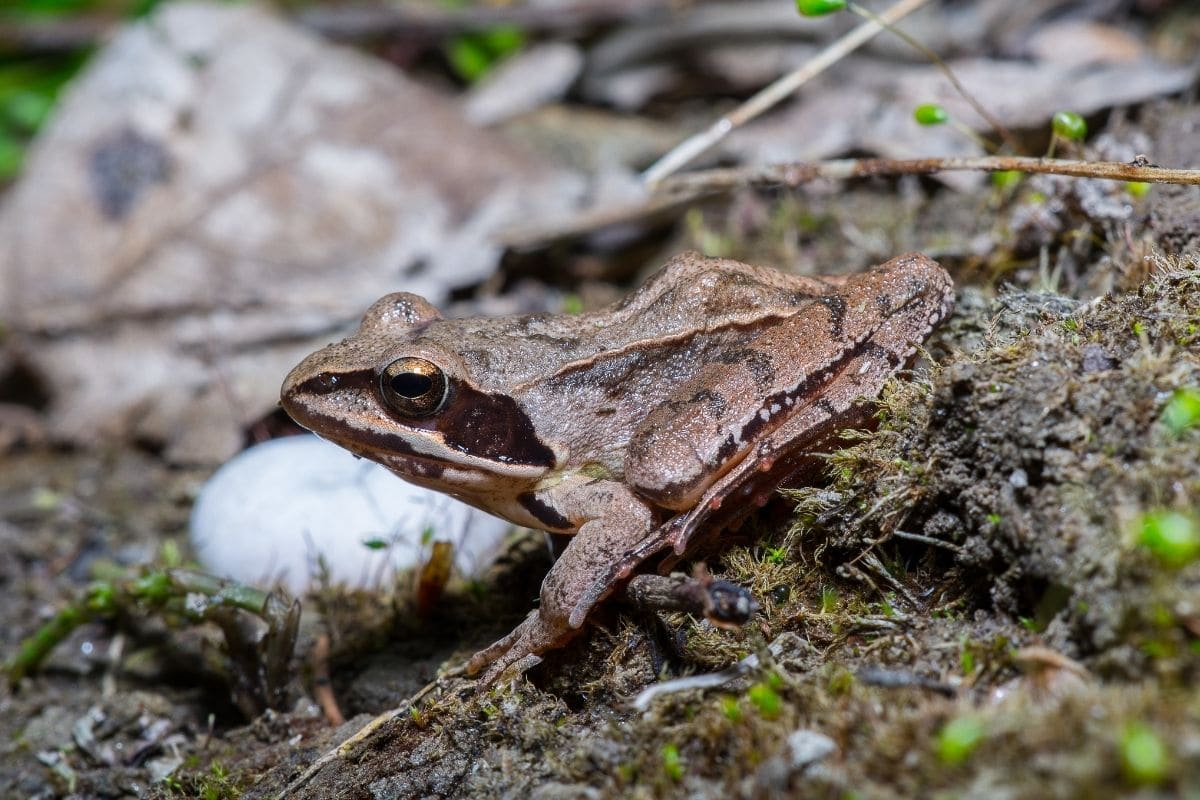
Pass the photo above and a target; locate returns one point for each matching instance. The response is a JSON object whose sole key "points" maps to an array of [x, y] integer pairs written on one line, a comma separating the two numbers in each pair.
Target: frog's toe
{"points": [[495, 651], [519, 666], [520, 649]]}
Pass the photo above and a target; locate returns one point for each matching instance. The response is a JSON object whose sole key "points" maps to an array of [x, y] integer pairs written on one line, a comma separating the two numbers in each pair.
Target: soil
{"points": [[971, 605]]}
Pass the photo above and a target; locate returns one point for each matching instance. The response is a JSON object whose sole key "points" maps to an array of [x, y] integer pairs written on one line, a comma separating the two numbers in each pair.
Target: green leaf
{"points": [[766, 700], [1144, 758], [1069, 125], [468, 58], [1182, 410], [1172, 537], [502, 41], [672, 763], [819, 8], [958, 739], [930, 114], [472, 55], [1006, 178]]}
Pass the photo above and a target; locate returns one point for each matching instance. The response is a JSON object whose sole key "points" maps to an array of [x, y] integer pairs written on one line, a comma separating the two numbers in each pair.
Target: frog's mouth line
{"points": [[396, 452]]}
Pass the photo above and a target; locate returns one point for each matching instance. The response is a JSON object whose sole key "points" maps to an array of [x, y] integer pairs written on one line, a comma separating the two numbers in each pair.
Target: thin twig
{"points": [[709, 680], [348, 745], [916, 537], [840, 169], [322, 685], [771, 95], [995, 123], [680, 191]]}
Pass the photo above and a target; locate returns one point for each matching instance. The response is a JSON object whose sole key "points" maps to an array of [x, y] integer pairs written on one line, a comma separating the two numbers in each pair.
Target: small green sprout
{"points": [[966, 658], [46, 499], [1182, 410], [154, 588], [375, 543], [672, 764], [471, 56], [169, 554], [766, 700], [731, 709], [819, 8], [930, 114], [1068, 125], [1005, 178], [572, 304], [1144, 758], [994, 518], [776, 555], [1137, 188], [841, 681], [1172, 537], [829, 600], [958, 739], [101, 598]]}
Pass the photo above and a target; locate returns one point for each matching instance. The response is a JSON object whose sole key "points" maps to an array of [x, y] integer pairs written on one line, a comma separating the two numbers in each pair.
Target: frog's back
{"points": [[691, 296], [692, 289]]}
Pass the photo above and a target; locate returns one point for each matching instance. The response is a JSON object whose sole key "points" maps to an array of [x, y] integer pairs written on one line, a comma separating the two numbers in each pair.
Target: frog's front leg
{"points": [[589, 569]]}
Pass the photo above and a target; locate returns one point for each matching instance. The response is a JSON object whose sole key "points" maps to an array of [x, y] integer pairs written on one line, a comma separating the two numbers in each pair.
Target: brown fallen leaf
{"points": [[219, 193]]}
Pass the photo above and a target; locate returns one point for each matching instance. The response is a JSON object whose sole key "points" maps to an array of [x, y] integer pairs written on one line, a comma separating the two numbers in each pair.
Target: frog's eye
{"points": [[413, 387]]}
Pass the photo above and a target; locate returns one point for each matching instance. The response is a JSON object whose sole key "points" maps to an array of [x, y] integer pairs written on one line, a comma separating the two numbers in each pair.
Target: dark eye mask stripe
{"points": [[488, 426]]}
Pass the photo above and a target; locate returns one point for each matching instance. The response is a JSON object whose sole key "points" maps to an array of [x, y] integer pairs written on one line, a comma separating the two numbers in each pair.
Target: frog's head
{"points": [[395, 393]]}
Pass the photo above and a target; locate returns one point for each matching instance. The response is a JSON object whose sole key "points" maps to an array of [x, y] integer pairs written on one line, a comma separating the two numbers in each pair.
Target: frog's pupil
{"points": [[411, 384]]}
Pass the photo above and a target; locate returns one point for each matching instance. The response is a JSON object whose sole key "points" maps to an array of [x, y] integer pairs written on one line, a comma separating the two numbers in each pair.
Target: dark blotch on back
{"points": [[837, 312], [713, 401], [758, 362], [875, 350], [491, 426], [543, 513]]}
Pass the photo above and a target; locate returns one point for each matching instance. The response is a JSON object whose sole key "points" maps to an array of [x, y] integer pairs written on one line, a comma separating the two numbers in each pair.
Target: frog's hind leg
{"points": [[618, 524], [775, 461]]}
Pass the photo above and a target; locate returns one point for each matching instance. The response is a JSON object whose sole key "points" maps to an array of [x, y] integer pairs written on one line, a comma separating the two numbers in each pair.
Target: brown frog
{"points": [[633, 428]]}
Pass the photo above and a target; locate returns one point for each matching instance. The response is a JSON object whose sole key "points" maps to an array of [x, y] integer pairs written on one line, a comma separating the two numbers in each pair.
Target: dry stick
{"points": [[693, 146], [840, 169], [680, 190], [348, 745]]}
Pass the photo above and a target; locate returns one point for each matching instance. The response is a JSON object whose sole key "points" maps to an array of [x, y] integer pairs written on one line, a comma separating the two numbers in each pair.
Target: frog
{"points": [[639, 430]]}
